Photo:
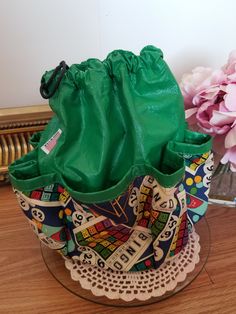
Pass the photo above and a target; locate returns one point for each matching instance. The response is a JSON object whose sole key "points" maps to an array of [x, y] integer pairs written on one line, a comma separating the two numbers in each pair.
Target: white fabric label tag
{"points": [[48, 146]]}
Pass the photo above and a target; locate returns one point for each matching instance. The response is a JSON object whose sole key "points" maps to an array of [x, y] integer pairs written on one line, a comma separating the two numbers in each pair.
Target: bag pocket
{"points": [[196, 151], [25, 175], [40, 201]]}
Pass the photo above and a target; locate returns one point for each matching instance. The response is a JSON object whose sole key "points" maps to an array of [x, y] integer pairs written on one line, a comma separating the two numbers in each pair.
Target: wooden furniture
{"points": [[16, 127], [26, 286]]}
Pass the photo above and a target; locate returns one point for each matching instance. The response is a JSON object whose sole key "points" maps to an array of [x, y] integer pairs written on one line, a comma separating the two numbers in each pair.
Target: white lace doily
{"points": [[140, 285]]}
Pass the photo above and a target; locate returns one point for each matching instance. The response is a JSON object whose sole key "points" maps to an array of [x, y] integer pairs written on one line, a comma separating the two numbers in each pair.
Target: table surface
{"points": [[26, 286]]}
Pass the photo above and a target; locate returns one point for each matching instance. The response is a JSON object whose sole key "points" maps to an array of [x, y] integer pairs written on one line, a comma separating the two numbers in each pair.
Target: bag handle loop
{"points": [[44, 88]]}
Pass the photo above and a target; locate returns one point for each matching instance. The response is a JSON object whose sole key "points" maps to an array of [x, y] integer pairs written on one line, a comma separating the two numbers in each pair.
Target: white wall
{"points": [[37, 34]]}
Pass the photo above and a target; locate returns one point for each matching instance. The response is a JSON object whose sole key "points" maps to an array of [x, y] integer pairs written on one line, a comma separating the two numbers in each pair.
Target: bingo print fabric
{"points": [[141, 229], [116, 179]]}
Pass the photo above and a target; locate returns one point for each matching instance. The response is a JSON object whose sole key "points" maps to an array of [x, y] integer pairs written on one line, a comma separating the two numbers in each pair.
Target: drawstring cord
{"points": [[44, 88]]}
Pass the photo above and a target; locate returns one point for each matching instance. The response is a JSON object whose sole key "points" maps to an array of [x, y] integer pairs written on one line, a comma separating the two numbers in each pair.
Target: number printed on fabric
{"points": [[90, 257], [80, 215], [22, 202], [38, 214], [168, 232], [208, 168], [134, 199], [78, 219]]}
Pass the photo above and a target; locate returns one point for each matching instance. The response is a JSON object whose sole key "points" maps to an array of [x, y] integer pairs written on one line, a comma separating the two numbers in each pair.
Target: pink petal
{"points": [[206, 94], [234, 124], [204, 115], [222, 107], [211, 92], [230, 139], [221, 130], [190, 112], [225, 158], [229, 68], [230, 97], [230, 156], [232, 78], [223, 87], [218, 77], [209, 130], [221, 118], [233, 167]]}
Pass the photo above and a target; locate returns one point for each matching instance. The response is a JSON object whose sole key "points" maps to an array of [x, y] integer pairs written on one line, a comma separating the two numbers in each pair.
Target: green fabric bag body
{"points": [[116, 118], [118, 134]]}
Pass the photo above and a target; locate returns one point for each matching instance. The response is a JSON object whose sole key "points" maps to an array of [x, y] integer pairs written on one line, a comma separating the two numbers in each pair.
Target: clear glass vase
{"points": [[223, 186]]}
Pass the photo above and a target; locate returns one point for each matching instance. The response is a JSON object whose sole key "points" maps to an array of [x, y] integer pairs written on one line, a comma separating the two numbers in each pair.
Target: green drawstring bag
{"points": [[113, 121], [115, 180]]}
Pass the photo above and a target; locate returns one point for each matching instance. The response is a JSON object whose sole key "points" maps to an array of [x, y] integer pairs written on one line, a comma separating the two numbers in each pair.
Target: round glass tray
{"points": [[56, 266]]}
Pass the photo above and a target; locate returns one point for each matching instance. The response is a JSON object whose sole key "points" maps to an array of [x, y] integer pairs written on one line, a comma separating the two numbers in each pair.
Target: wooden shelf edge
{"points": [[24, 115], [16, 127]]}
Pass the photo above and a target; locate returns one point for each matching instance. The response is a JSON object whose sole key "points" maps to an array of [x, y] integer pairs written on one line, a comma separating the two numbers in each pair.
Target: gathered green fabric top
{"points": [[114, 120]]}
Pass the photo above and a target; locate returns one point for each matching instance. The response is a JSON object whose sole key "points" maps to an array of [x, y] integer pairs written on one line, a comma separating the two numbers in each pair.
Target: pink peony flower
{"points": [[212, 109], [210, 102], [193, 83]]}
